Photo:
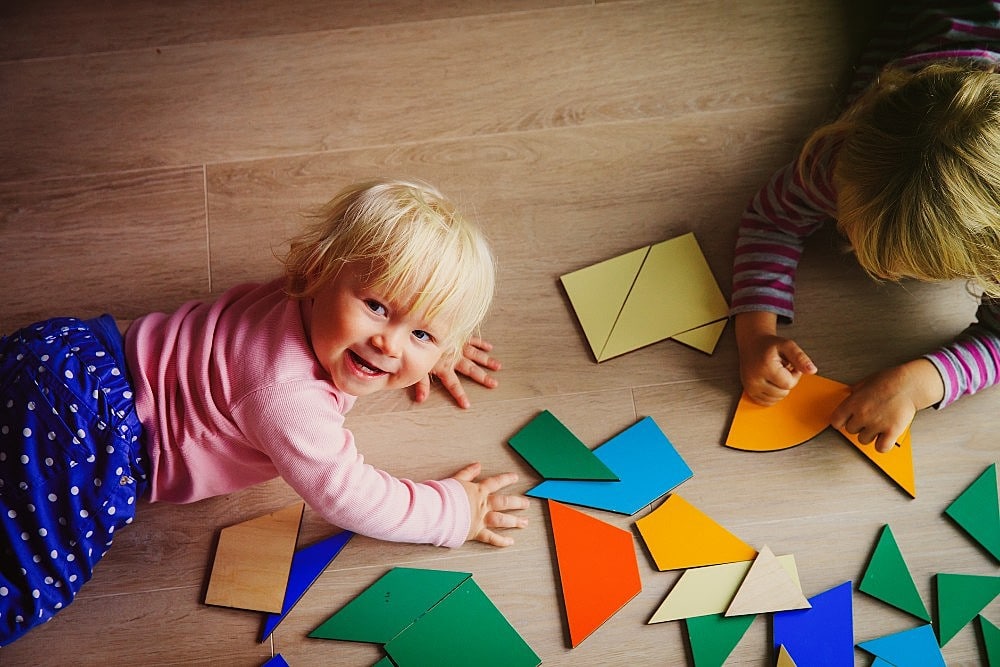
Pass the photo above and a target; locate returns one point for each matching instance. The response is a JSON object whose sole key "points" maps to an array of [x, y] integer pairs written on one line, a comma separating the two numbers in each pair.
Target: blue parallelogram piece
{"points": [[647, 466]]}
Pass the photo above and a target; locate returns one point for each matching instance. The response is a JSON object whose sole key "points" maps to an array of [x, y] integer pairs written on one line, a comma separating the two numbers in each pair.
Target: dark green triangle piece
{"points": [[991, 638], [888, 579], [960, 599], [552, 449], [977, 511], [714, 637]]}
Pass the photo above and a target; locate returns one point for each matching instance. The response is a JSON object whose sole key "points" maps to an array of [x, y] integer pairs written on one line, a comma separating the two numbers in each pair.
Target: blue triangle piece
{"points": [[644, 460], [276, 661], [917, 647], [822, 636], [307, 564]]}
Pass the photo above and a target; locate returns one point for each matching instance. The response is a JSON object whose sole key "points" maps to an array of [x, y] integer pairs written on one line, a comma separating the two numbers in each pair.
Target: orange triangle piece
{"points": [[598, 569], [897, 463], [767, 588], [680, 536]]}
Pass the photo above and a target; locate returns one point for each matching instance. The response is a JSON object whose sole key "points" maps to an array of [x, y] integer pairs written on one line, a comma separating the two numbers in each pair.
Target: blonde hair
{"points": [[418, 251], [918, 175]]}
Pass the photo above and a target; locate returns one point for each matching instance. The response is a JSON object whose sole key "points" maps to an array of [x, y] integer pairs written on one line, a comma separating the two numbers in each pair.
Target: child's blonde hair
{"points": [[918, 175], [420, 252]]}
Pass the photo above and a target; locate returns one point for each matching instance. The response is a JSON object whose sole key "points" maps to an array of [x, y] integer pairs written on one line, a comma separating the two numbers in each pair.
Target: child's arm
{"points": [[488, 509], [474, 363], [770, 365]]}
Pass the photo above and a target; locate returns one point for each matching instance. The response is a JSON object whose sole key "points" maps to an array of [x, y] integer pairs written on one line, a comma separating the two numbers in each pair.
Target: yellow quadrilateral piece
{"points": [[767, 588], [708, 590], [679, 535]]}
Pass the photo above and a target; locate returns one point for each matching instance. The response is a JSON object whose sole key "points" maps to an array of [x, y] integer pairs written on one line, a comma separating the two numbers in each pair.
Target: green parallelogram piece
{"points": [[888, 579], [464, 628], [713, 637], [977, 511], [390, 605], [552, 449], [960, 599]]}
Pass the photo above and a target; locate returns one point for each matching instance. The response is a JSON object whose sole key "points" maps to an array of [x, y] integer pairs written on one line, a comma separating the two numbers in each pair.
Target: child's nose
{"points": [[388, 342]]}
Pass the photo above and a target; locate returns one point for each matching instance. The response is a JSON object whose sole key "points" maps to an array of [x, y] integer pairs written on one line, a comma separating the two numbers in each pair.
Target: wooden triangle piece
{"points": [[767, 588], [253, 560]]}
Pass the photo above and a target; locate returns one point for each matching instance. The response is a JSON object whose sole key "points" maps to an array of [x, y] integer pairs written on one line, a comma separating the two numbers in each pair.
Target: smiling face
{"points": [[367, 343]]}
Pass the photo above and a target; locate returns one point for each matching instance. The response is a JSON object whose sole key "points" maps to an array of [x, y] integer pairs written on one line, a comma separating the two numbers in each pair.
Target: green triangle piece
{"points": [[385, 662], [463, 628], [598, 294], [390, 605], [960, 599], [714, 637], [888, 579], [991, 638], [977, 511], [552, 449]]}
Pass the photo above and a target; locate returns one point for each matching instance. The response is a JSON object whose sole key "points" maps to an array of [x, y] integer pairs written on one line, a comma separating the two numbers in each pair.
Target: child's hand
{"points": [[474, 363], [770, 365], [488, 508], [881, 406]]}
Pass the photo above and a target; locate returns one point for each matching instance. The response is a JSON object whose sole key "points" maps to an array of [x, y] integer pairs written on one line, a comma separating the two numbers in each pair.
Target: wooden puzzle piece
{"points": [[991, 640], [714, 637], [555, 453], [598, 570], [701, 591], [704, 339], [679, 536], [255, 577], [916, 647], [647, 466], [823, 635], [767, 588], [802, 415], [960, 598], [307, 565], [888, 579], [784, 658], [645, 296], [977, 511]]}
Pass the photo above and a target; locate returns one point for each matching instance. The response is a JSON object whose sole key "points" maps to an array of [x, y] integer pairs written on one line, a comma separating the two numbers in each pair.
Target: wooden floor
{"points": [[152, 153]]}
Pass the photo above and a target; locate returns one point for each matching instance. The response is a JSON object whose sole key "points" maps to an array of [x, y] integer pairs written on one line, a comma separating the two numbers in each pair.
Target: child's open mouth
{"points": [[363, 365]]}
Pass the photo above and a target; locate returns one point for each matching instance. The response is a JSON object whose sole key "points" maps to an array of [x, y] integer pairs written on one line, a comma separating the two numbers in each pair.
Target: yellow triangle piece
{"points": [[674, 292], [703, 338], [679, 535], [897, 463], [598, 293], [784, 659], [253, 561], [702, 591], [767, 588]]}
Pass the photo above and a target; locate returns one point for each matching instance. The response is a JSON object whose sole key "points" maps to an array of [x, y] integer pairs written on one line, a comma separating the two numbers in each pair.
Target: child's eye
{"points": [[375, 307], [422, 335]]}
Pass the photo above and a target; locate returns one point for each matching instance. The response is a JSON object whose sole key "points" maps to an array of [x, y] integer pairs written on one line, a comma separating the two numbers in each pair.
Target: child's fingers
{"points": [[422, 389], [795, 359], [494, 539], [453, 385], [469, 473], [502, 520], [492, 484]]}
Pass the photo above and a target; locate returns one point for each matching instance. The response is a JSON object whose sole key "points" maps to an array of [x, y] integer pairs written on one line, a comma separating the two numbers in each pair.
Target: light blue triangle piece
{"points": [[917, 647]]}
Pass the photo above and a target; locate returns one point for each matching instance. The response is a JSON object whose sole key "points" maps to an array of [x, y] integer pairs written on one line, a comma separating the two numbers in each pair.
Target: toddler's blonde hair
{"points": [[421, 253], [918, 175]]}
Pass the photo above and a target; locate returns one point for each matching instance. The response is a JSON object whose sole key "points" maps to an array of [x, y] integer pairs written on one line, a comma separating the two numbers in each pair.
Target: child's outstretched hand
{"points": [[489, 508], [881, 406], [770, 365], [474, 363]]}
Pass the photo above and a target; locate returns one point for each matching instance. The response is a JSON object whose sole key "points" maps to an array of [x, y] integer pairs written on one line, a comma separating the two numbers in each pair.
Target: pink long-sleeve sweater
{"points": [[230, 394]]}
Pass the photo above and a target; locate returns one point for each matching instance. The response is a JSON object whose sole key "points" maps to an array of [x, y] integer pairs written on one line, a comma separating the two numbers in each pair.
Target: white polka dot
{"points": [[119, 470], [12, 514], [73, 407], [84, 514], [99, 353], [43, 532], [31, 405], [52, 435], [24, 459], [19, 619], [70, 557], [50, 580], [25, 536], [36, 594], [68, 374], [115, 371], [109, 449], [75, 490], [127, 394], [36, 558], [54, 554], [111, 510], [80, 433], [72, 577], [53, 497], [26, 432], [31, 508], [45, 357], [4, 591], [4, 429], [58, 605], [49, 462]]}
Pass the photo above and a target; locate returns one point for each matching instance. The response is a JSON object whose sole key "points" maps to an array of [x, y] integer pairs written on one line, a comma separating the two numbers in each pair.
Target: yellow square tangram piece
{"points": [[665, 290], [253, 561]]}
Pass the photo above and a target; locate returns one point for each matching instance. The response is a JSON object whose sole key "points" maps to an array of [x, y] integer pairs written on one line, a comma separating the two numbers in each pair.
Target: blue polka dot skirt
{"points": [[72, 463]]}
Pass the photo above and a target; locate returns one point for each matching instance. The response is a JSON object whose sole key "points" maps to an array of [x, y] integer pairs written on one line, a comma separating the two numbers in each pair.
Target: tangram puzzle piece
{"points": [[714, 637], [991, 639], [802, 415], [977, 511], [916, 647], [768, 587], [704, 339], [429, 617], [784, 659], [960, 599], [823, 635], [552, 449], [888, 579], [701, 591], [598, 570], [647, 295], [307, 565], [255, 578], [644, 460], [276, 661], [386, 661], [679, 535]]}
